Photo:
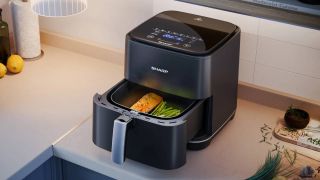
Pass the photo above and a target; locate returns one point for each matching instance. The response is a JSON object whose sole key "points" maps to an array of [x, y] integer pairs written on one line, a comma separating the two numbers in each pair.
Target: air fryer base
{"points": [[150, 140], [203, 140]]}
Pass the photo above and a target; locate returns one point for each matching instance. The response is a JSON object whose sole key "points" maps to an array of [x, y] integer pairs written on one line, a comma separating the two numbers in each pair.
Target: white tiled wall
{"points": [[248, 46], [105, 22], [289, 57], [286, 81], [246, 70], [290, 33], [274, 55]]}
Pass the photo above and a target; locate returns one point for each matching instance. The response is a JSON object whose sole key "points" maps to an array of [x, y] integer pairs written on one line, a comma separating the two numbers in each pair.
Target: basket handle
{"points": [[120, 126]]}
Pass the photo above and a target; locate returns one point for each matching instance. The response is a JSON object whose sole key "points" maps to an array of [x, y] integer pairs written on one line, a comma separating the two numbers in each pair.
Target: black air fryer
{"points": [[189, 60]]}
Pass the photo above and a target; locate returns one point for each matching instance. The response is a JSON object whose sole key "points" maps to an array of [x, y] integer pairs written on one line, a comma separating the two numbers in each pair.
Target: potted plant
{"points": [[296, 118]]}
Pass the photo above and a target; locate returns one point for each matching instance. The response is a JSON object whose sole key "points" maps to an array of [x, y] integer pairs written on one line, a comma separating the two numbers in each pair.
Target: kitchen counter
{"points": [[235, 153], [47, 110], [48, 99]]}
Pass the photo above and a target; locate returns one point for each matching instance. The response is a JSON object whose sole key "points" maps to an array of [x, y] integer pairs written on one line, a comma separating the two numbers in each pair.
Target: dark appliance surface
{"points": [[182, 63], [151, 140], [192, 62], [184, 32]]}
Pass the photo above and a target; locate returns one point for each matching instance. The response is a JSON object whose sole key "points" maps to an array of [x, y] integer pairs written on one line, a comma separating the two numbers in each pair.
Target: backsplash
{"points": [[104, 22], [275, 55]]}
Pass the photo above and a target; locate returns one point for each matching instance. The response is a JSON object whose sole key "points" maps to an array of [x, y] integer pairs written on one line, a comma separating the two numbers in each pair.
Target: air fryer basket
{"points": [[128, 93], [161, 141]]}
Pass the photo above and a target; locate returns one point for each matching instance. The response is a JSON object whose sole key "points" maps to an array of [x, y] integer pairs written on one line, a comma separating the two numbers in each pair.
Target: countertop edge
{"points": [[34, 164], [105, 169], [31, 161]]}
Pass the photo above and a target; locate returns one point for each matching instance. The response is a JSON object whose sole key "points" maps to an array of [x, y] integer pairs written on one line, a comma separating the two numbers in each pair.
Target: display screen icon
{"points": [[172, 37]]}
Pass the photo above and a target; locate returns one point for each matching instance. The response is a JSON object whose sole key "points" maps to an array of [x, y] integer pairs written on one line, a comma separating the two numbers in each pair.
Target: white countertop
{"points": [[41, 104], [47, 110], [235, 153]]}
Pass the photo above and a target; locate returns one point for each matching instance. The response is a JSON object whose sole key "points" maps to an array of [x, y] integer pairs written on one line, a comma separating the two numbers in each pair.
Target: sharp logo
{"points": [[159, 70], [198, 19]]}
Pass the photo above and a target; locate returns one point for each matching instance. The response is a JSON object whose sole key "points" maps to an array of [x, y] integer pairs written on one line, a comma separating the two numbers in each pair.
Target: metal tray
{"points": [[128, 93]]}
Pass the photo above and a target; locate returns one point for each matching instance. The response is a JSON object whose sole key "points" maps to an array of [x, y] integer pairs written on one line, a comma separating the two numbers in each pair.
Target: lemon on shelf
{"points": [[3, 70], [15, 64]]}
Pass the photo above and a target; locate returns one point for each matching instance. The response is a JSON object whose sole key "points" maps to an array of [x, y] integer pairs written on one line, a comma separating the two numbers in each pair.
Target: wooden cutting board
{"points": [[298, 137], [302, 161]]}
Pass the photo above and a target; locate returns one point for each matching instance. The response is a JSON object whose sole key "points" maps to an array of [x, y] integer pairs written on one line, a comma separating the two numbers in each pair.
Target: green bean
{"points": [[156, 109], [165, 111]]}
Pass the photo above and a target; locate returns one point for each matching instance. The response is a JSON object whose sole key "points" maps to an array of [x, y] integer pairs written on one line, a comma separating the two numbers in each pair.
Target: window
{"points": [[299, 12]]}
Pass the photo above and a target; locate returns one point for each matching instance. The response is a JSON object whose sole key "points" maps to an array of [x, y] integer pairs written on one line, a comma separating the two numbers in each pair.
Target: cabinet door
{"points": [[72, 171], [58, 169]]}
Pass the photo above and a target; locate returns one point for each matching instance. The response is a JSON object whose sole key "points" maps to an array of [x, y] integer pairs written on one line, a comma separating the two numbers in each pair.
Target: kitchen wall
{"points": [[275, 55], [105, 22]]}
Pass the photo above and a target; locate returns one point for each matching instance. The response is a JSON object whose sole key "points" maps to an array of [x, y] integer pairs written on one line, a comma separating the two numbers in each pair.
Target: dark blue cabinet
{"points": [[58, 169]]}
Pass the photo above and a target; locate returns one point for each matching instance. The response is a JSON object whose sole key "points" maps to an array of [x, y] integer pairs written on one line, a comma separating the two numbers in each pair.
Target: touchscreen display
{"points": [[174, 38]]}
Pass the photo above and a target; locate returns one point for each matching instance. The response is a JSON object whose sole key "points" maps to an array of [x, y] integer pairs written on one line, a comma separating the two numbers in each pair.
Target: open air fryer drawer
{"points": [[193, 63], [155, 141]]}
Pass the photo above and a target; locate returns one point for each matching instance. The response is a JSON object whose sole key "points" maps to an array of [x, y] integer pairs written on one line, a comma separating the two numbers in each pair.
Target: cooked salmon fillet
{"points": [[147, 103]]}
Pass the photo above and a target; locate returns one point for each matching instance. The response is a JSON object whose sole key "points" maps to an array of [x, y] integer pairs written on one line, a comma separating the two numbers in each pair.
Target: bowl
{"points": [[297, 118]]}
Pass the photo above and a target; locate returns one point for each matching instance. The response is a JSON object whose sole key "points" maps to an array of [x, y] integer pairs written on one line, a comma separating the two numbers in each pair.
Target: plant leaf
{"points": [[269, 169]]}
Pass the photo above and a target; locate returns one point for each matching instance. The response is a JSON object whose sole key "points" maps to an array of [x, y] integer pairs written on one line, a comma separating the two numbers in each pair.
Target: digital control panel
{"points": [[183, 32], [172, 38]]}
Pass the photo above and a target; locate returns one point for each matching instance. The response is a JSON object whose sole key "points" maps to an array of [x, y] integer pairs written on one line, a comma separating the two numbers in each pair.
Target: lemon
{"points": [[3, 70], [15, 64]]}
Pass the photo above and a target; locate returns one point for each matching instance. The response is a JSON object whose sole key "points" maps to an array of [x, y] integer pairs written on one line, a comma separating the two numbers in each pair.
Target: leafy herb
{"points": [[269, 169], [273, 167], [291, 157], [315, 141], [165, 111], [295, 112], [292, 110], [289, 129]]}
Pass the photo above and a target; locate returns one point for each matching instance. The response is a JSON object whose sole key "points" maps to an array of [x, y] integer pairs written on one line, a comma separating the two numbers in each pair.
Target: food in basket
{"points": [[165, 111], [147, 103], [154, 105]]}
